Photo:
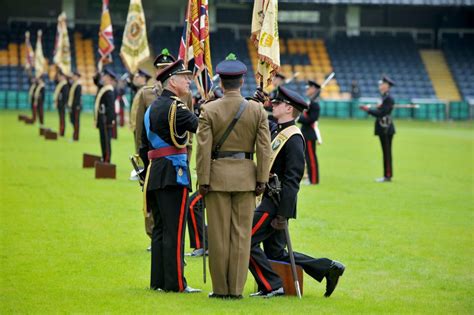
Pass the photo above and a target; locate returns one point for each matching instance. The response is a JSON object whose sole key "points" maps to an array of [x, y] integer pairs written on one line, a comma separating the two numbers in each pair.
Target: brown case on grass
{"points": [[283, 269], [88, 160], [50, 135], [104, 170]]}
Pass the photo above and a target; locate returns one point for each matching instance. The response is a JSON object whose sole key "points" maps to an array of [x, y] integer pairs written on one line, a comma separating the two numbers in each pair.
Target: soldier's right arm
{"points": [[383, 110], [204, 149], [263, 147]]}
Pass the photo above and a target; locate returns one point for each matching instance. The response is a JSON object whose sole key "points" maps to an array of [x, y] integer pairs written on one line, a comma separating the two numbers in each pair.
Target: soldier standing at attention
{"points": [[272, 215], [31, 96], [61, 93], [38, 99], [104, 111], [229, 178], [308, 118], [167, 124], [74, 103], [384, 127]]}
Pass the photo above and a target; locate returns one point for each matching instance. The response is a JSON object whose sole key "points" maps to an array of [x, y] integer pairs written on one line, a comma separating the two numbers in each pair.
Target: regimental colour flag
{"points": [[62, 47], [134, 48], [195, 44], [29, 53], [106, 36], [266, 39], [40, 61]]}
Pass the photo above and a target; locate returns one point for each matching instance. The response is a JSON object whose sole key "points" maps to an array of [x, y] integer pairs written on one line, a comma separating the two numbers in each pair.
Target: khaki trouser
{"points": [[229, 216]]}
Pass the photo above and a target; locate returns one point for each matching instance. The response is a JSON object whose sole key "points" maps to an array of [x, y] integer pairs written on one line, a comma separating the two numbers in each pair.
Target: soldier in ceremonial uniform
{"points": [[146, 95], [38, 99], [104, 112], [74, 103], [31, 95], [275, 210], [167, 126], [229, 178], [60, 97], [308, 118], [384, 127]]}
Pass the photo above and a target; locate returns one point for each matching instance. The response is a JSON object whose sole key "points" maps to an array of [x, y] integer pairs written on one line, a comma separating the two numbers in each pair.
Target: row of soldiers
{"points": [[230, 131], [67, 97]]}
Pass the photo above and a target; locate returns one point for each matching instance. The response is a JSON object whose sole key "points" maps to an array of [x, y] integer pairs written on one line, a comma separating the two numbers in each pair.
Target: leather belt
{"points": [[166, 151], [235, 155]]}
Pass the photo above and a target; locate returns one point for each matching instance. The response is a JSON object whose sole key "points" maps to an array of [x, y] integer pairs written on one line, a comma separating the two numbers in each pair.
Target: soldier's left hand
{"points": [[279, 222], [364, 107], [259, 189]]}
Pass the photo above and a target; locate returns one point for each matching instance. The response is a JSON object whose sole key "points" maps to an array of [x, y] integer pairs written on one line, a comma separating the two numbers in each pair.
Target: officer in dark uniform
{"points": [[31, 96], [38, 99], [167, 124], [74, 103], [61, 94], [104, 110], [384, 127], [307, 119], [272, 215]]}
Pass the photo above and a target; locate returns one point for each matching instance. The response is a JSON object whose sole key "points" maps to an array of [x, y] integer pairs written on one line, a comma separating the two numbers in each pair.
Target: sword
{"points": [[329, 78], [138, 172], [204, 269], [292, 260]]}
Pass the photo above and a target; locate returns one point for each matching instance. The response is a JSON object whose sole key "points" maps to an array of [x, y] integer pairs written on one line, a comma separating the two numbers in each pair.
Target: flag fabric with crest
{"points": [[62, 47], [40, 61], [134, 48], [266, 39], [195, 44], [29, 53], [106, 36]]}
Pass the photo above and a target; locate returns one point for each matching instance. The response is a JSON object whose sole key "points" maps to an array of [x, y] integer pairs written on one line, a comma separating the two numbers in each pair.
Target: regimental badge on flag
{"points": [[266, 39], [134, 48], [29, 53], [40, 61], [62, 47], [195, 43], [106, 36]]}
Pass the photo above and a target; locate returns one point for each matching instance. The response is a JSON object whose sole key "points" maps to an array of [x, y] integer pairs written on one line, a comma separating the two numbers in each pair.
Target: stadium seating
{"points": [[366, 58], [459, 52]]}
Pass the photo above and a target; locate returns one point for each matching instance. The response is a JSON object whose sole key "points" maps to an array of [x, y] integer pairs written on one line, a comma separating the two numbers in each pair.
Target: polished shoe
{"points": [[198, 252], [213, 295], [383, 180], [235, 297], [264, 294], [188, 289], [335, 271]]}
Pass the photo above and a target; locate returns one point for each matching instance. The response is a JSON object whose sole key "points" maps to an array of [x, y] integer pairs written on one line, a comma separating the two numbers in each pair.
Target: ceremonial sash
{"points": [[37, 93], [70, 99], [57, 90], [101, 93], [280, 140]]}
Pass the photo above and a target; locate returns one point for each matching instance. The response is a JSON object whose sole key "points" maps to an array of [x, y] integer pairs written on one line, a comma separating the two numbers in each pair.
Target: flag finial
{"points": [[231, 56]]}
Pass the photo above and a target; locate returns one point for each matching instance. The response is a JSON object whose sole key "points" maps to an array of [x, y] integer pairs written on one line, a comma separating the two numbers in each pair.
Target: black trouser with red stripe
{"points": [[40, 110], [312, 162], [274, 243], [62, 120], [195, 217], [168, 207], [105, 135], [386, 142], [74, 117]]}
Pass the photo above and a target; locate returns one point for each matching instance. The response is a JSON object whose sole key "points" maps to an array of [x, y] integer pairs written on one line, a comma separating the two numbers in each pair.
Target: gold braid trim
{"points": [[172, 125]]}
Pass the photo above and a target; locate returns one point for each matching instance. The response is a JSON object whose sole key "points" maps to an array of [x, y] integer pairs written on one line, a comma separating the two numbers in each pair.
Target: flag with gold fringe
{"points": [[266, 39], [195, 44], [29, 53], [134, 48], [62, 47], [106, 36], [40, 61]]}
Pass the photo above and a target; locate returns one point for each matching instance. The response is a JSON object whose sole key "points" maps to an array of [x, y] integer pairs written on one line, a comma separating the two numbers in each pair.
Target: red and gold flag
{"points": [[40, 61], [29, 53], [106, 36], [62, 47]]}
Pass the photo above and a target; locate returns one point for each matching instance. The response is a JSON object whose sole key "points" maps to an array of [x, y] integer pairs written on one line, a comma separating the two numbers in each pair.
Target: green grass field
{"points": [[73, 244]]}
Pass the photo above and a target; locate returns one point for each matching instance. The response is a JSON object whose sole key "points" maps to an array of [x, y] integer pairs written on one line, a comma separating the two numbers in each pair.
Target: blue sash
{"points": [[180, 161]]}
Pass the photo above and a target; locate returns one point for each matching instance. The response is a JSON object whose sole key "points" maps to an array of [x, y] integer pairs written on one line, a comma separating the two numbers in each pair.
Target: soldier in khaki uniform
{"points": [[229, 178]]}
